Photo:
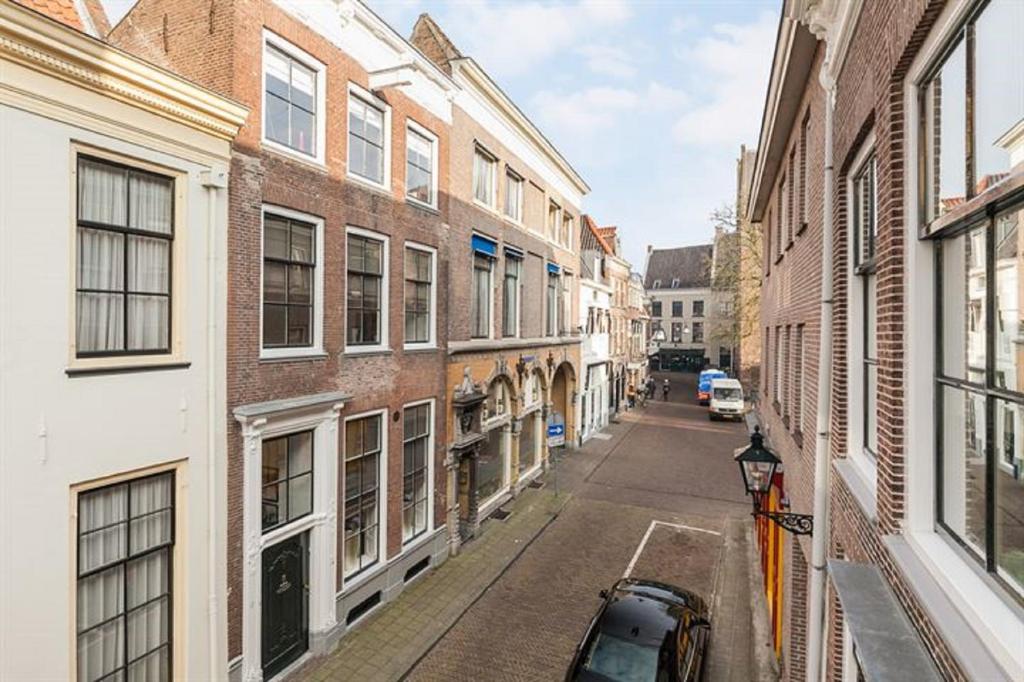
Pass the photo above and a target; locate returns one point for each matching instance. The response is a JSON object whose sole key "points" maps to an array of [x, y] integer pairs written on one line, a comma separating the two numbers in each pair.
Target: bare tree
{"points": [[736, 276]]}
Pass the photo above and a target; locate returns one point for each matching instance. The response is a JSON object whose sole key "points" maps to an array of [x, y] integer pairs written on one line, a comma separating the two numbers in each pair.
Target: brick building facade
{"points": [[513, 347], [337, 309], [918, 195]]}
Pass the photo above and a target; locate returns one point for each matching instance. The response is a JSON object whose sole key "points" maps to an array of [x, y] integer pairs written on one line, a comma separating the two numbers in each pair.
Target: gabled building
{"points": [[597, 398], [687, 306]]}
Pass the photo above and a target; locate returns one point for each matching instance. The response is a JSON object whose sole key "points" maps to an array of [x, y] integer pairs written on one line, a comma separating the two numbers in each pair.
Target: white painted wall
{"points": [[59, 431]]}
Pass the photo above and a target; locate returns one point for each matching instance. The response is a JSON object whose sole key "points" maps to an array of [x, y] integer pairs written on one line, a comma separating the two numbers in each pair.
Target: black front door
{"points": [[285, 603]]}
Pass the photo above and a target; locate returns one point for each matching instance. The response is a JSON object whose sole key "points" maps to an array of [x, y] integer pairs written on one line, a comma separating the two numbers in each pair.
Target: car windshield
{"points": [[728, 393], [622, 661]]}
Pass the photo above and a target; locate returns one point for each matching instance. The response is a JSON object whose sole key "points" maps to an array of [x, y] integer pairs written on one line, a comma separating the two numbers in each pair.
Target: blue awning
{"points": [[553, 269], [486, 246]]}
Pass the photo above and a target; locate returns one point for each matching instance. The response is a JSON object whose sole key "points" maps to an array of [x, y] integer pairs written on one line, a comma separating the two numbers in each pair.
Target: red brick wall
{"points": [[870, 99], [231, 36], [790, 296]]}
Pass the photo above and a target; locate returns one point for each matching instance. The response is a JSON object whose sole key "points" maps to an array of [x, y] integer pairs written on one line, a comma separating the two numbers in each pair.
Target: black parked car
{"points": [[645, 631]]}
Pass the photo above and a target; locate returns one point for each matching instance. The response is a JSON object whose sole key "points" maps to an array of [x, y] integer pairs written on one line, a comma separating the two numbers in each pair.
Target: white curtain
{"points": [[100, 324], [144, 582], [150, 203], [101, 193]]}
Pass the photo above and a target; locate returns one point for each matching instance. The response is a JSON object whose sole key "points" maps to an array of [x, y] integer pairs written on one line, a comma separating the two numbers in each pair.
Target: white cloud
{"points": [[681, 23], [607, 60], [734, 61], [576, 114], [511, 38]]}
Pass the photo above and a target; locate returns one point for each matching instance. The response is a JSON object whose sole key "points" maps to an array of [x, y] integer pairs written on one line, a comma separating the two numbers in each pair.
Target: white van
{"points": [[726, 399]]}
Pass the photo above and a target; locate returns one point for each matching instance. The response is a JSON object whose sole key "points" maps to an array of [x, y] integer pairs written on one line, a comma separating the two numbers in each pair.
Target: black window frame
{"points": [[364, 275], [990, 392], [418, 284], [408, 475], [698, 308], [126, 233], [480, 321], [656, 309], [864, 231], [289, 264], [289, 476], [677, 308], [512, 281], [168, 546], [378, 453], [697, 332]]}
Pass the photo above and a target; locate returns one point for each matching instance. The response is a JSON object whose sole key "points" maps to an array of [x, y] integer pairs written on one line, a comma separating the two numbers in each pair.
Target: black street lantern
{"points": [[757, 466]]}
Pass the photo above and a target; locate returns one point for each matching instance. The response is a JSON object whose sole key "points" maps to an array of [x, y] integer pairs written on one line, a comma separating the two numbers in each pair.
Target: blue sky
{"points": [[648, 99]]}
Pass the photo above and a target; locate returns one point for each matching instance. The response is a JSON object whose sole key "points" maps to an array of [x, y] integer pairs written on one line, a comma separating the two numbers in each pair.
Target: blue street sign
{"points": [[556, 435]]}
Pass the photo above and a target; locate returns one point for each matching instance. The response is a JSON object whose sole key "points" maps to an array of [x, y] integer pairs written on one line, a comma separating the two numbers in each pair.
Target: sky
{"points": [[649, 100]]}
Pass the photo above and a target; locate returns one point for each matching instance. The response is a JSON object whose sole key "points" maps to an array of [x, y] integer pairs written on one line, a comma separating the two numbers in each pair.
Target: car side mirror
{"points": [[603, 594]]}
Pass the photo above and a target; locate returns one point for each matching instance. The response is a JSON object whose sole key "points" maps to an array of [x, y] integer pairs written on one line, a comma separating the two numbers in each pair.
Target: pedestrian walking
{"points": [[631, 396], [665, 389]]}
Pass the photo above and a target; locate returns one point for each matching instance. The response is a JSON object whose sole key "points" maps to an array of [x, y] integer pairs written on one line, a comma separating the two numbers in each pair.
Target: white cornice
{"points": [[482, 85], [44, 45]]}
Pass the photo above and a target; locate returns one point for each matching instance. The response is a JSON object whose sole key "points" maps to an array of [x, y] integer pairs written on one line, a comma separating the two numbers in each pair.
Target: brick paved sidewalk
{"points": [[391, 641]]}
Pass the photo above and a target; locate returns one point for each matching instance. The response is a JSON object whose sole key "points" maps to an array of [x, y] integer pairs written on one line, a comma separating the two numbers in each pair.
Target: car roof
{"points": [[639, 618], [726, 383], [713, 371]]}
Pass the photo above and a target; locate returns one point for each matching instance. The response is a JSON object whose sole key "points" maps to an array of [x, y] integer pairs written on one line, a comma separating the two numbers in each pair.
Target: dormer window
{"points": [[675, 282], [657, 284]]}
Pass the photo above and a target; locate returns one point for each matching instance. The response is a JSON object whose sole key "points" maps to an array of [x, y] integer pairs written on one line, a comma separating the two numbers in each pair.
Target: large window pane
{"points": [[528, 442], [1009, 493], [366, 140], [290, 113], [963, 290], [480, 303], [999, 91], [123, 611], [362, 481], [418, 284], [289, 264], [946, 105], [287, 479], [365, 281], [415, 484], [1009, 320], [963, 465], [490, 471], [419, 167], [510, 302]]}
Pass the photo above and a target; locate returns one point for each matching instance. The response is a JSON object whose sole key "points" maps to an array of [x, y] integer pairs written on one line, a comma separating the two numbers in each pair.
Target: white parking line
{"points": [[647, 536]]}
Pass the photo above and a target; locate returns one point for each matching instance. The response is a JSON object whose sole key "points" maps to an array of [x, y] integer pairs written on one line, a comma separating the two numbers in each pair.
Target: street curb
{"points": [[766, 667]]}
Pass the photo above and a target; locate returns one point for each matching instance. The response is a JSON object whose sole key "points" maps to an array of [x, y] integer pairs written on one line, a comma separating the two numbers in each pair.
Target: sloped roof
{"points": [[691, 265], [596, 235], [434, 42], [94, 22]]}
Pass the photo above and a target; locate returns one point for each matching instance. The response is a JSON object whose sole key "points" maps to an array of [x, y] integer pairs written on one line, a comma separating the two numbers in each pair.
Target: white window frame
{"points": [[320, 69], [512, 175], [479, 149], [983, 606], [864, 463], [431, 341], [348, 584], [490, 296], [372, 100], [431, 446], [321, 524], [385, 293], [316, 349], [413, 126], [551, 232]]}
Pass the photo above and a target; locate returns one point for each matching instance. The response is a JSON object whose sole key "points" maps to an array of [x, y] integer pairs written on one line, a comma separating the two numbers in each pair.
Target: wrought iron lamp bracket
{"points": [[797, 524]]}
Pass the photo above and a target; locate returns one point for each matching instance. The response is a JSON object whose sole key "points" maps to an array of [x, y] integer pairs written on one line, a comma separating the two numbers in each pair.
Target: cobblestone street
{"points": [[515, 603]]}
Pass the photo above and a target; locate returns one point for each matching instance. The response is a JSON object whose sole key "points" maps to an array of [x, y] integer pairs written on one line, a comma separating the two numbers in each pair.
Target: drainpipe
{"points": [[212, 180], [819, 540]]}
